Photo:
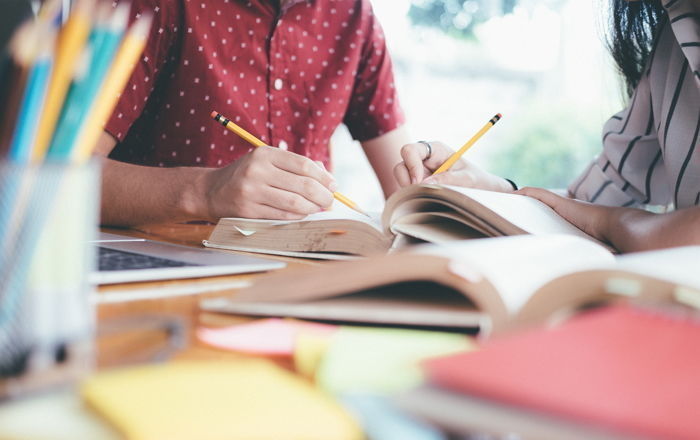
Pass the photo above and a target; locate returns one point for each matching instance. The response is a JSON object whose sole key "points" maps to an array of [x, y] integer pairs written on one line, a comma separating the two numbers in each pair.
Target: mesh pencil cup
{"points": [[48, 216]]}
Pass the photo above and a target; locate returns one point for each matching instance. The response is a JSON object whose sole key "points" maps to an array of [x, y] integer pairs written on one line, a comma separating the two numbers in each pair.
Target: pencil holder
{"points": [[48, 216]]}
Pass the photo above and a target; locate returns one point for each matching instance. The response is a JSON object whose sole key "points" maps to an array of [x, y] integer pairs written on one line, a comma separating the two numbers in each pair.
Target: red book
{"points": [[632, 370]]}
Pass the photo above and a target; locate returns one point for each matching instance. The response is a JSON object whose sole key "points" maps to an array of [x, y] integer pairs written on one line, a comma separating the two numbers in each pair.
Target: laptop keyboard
{"points": [[112, 260]]}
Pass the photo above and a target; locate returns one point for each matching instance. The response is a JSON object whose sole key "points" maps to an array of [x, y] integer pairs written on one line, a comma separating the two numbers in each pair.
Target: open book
{"points": [[491, 284], [415, 214]]}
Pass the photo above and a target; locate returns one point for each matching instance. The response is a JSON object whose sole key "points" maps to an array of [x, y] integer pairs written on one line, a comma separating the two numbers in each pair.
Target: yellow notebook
{"points": [[216, 400]]}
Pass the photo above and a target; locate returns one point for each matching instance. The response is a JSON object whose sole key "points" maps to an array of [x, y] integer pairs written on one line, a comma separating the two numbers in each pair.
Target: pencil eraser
{"points": [[214, 114]]}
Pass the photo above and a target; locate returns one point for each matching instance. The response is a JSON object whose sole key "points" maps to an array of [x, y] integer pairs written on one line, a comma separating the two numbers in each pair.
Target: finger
{"points": [[585, 216], [413, 155], [451, 178], [288, 201], [306, 187], [333, 186], [440, 153], [302, 166], [272, 213], [401, 175], [554, 201]]}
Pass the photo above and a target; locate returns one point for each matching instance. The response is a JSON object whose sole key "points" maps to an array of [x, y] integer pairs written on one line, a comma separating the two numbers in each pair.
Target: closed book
{"points": [[627, 370]]}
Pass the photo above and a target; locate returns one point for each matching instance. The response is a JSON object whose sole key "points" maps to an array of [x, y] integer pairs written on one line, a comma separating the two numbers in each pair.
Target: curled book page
{"points": [[246, 232]]}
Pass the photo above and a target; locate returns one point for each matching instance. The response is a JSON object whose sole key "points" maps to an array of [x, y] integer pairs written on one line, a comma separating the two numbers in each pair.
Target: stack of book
{"points": [[616, 373]]}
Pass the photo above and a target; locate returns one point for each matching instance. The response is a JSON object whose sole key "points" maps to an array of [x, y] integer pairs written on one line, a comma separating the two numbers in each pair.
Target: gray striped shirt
{"points": [[650, 149]]}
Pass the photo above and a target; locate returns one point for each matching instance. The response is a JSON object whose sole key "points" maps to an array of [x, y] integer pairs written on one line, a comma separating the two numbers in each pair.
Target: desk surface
{"points": [[126, 336], [122, 342], [117, 346]]}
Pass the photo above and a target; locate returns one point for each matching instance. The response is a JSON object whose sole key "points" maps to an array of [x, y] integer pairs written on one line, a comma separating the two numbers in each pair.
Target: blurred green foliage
{"points": [[552, 147], [549, 146], [457, 17]]}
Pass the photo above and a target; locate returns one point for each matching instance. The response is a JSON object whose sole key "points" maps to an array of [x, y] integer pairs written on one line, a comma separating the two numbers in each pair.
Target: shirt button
{"points": [[278, 84], [283, 145]]}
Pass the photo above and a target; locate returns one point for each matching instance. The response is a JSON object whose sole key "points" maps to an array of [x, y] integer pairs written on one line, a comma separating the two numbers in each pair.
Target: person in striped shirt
{"points": [[650, 149]]}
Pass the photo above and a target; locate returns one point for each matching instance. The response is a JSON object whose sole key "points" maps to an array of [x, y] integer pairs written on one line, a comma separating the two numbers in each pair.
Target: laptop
{"points": [[123, 259]]}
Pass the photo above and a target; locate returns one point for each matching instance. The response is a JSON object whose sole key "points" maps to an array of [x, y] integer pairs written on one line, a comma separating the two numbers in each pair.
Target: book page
{"points": [[325, 235], [517, 266], [680, 265], [345, 213], [526, 213], [338, 213], [490, 213]]}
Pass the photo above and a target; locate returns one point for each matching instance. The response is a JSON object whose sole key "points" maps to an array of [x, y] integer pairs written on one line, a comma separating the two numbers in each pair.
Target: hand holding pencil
{"points": [[268, 183], [297, 166], [435, 162]]}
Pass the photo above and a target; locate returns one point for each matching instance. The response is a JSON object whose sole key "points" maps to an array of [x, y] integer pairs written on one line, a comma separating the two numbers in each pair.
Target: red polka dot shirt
{"points": [[288, 76]]}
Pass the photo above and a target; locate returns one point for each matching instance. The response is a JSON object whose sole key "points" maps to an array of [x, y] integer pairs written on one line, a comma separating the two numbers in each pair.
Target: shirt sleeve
{"points": [[630, 170], [627, 171], [374, 107], [155, 56], [685, 22]]}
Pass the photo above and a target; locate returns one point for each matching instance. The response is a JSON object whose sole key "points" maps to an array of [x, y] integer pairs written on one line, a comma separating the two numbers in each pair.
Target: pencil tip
{"points": [[119, 16], [142, 26], [362, 212]]}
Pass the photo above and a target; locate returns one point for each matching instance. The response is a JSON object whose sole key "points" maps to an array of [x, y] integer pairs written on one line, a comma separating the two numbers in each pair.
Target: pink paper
{"points": [[271, 337]]}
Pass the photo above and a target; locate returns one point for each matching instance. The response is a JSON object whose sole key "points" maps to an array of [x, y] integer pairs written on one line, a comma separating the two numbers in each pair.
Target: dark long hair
{"points": [[632, 27]]}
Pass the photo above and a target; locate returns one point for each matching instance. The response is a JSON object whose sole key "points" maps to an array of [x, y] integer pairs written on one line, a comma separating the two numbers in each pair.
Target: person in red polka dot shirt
{"points": [[288, 71]]}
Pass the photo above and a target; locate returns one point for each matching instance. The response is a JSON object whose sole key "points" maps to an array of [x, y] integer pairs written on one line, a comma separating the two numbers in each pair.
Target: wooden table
{"points": [[121, 341]]}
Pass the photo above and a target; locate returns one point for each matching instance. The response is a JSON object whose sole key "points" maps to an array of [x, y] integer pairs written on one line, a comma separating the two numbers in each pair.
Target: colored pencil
{"points": [[218, 117], [16, 81], [103, 43], [32, 103], [28, 40], [50, 12], [28, 192], [456, 155], [124, 63], [22, 54], [71, 42]]}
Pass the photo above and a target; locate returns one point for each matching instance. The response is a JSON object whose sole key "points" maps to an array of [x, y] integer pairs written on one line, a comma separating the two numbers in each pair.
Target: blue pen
{"points": [[32, 102], [102, 46]]}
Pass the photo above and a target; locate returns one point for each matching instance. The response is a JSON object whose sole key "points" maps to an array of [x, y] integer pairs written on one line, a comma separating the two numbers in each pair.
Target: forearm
{"points": [[634, 230], [133, 194], [383, 153]]}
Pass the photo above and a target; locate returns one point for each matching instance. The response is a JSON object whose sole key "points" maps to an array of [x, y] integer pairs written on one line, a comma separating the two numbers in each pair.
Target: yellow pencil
{"points": [[456, 155], [70, 45], [218, 117], [125, 60], [49, 11]]}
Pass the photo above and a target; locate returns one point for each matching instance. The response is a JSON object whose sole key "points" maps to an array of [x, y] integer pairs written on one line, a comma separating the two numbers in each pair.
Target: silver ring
{"points": [[430, 149]]}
